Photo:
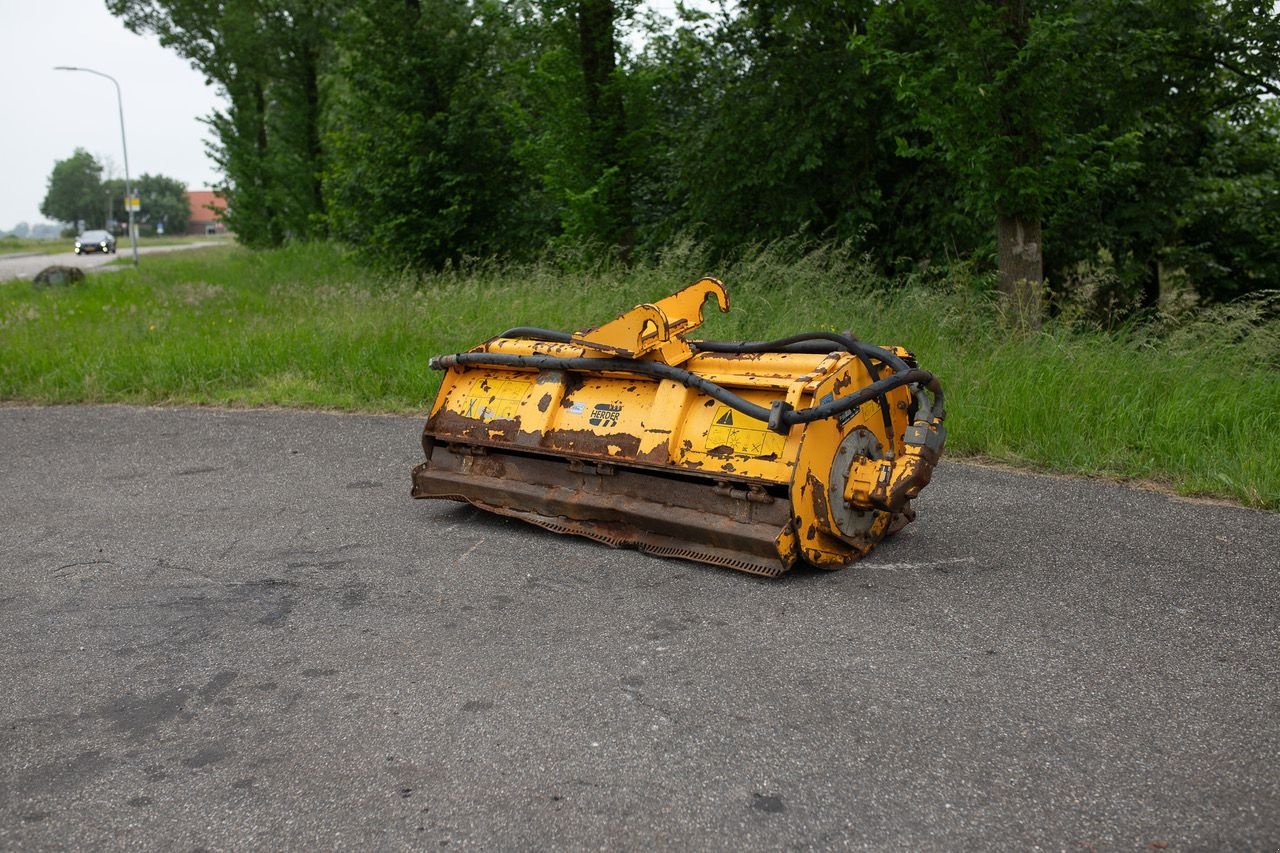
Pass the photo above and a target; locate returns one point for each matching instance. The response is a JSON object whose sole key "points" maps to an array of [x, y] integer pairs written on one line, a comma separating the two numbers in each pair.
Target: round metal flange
{"points": [[860, 442]]}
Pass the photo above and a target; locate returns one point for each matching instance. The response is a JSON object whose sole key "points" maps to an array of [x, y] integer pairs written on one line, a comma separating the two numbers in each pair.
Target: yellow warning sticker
{"points": [[745, 436], [495, 399]]}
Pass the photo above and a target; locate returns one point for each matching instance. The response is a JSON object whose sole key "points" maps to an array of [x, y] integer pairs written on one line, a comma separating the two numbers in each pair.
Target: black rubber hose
{"points": [[852, 401], [536, 334], [802, 343], [846, 343], [784, 418], [807, 343]]}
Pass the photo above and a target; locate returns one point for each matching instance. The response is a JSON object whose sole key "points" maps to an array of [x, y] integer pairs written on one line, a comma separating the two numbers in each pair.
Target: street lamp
{"points": [[128, 184]]}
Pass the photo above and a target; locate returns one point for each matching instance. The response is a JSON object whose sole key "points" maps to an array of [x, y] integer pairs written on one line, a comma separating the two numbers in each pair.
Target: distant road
{"points": [[26, 266]]}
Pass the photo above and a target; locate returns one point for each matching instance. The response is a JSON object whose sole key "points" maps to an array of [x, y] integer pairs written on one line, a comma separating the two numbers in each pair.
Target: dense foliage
{"points": [[1098, 149]]}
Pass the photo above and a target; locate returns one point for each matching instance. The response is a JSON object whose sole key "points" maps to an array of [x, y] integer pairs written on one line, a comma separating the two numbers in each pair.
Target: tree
{"points": [[775, 128], [420, 169], [988, 83], [1073, 126], [75, 191], [1043, 134], [597, 47], [163, 200], [570, 113], [1228, 230], [269, 58]]}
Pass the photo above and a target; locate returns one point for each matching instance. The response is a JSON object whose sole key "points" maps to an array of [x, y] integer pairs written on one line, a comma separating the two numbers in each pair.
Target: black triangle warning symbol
{"points": [[726, 418]]}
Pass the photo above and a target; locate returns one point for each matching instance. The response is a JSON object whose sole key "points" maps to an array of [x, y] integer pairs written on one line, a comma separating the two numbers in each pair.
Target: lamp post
{"points": [[128, 184]]}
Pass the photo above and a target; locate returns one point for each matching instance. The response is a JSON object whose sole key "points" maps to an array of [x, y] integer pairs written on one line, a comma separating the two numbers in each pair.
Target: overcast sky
{"points": [[48, 114]]}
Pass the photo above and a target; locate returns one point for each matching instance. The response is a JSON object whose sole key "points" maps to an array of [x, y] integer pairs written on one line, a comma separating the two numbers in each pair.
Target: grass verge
{"points": [[27, 246], [1191, 406]]}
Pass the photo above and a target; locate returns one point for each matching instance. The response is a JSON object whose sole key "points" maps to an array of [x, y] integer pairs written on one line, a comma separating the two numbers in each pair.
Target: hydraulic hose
{"points": [[811, 341], [780, 417], [807, 342], [533, 333]]}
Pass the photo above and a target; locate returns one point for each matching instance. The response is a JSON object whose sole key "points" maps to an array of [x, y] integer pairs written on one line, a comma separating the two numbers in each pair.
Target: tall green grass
{"points": [[1190, 404]]}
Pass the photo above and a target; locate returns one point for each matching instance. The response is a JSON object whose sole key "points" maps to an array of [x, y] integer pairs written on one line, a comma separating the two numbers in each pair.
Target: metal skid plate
{"points": [[685, 517]]}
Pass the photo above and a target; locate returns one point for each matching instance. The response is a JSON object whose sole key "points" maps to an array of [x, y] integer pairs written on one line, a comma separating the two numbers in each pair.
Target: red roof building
{"points": [[206, 212]]}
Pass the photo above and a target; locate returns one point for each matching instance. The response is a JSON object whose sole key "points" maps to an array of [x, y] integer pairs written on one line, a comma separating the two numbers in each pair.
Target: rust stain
{"points": [[588, 443], [659, 455], [821, 510], [722, 451], [446, 424], [544, 403]]}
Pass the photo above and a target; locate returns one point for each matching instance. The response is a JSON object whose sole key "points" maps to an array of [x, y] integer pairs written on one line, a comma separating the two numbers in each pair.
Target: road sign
{"points": [[133, 203]]}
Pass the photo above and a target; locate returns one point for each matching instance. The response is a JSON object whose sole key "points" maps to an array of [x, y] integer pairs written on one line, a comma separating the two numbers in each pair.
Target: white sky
{"points": [[47, 114]]}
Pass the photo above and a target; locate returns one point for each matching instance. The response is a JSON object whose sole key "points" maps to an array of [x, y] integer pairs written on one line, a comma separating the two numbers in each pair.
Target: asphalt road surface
{"points": [[235, 630], [24, 266]]}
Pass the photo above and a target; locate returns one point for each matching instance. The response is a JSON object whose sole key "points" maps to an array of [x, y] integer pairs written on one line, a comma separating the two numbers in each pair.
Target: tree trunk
{"points": [[1019, 248], [311, 94], [1020, 260], [274, 237], [606, 116], [1151, 285]]}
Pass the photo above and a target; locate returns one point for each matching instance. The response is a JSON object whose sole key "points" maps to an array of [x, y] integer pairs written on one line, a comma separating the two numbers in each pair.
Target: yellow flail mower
{"points": [[748, 455]]}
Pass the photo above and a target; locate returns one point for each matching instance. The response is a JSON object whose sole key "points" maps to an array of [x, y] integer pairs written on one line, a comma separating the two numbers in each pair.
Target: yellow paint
{"points": [[656, 331], [745, 436], [493, 399], [660, 424]]}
